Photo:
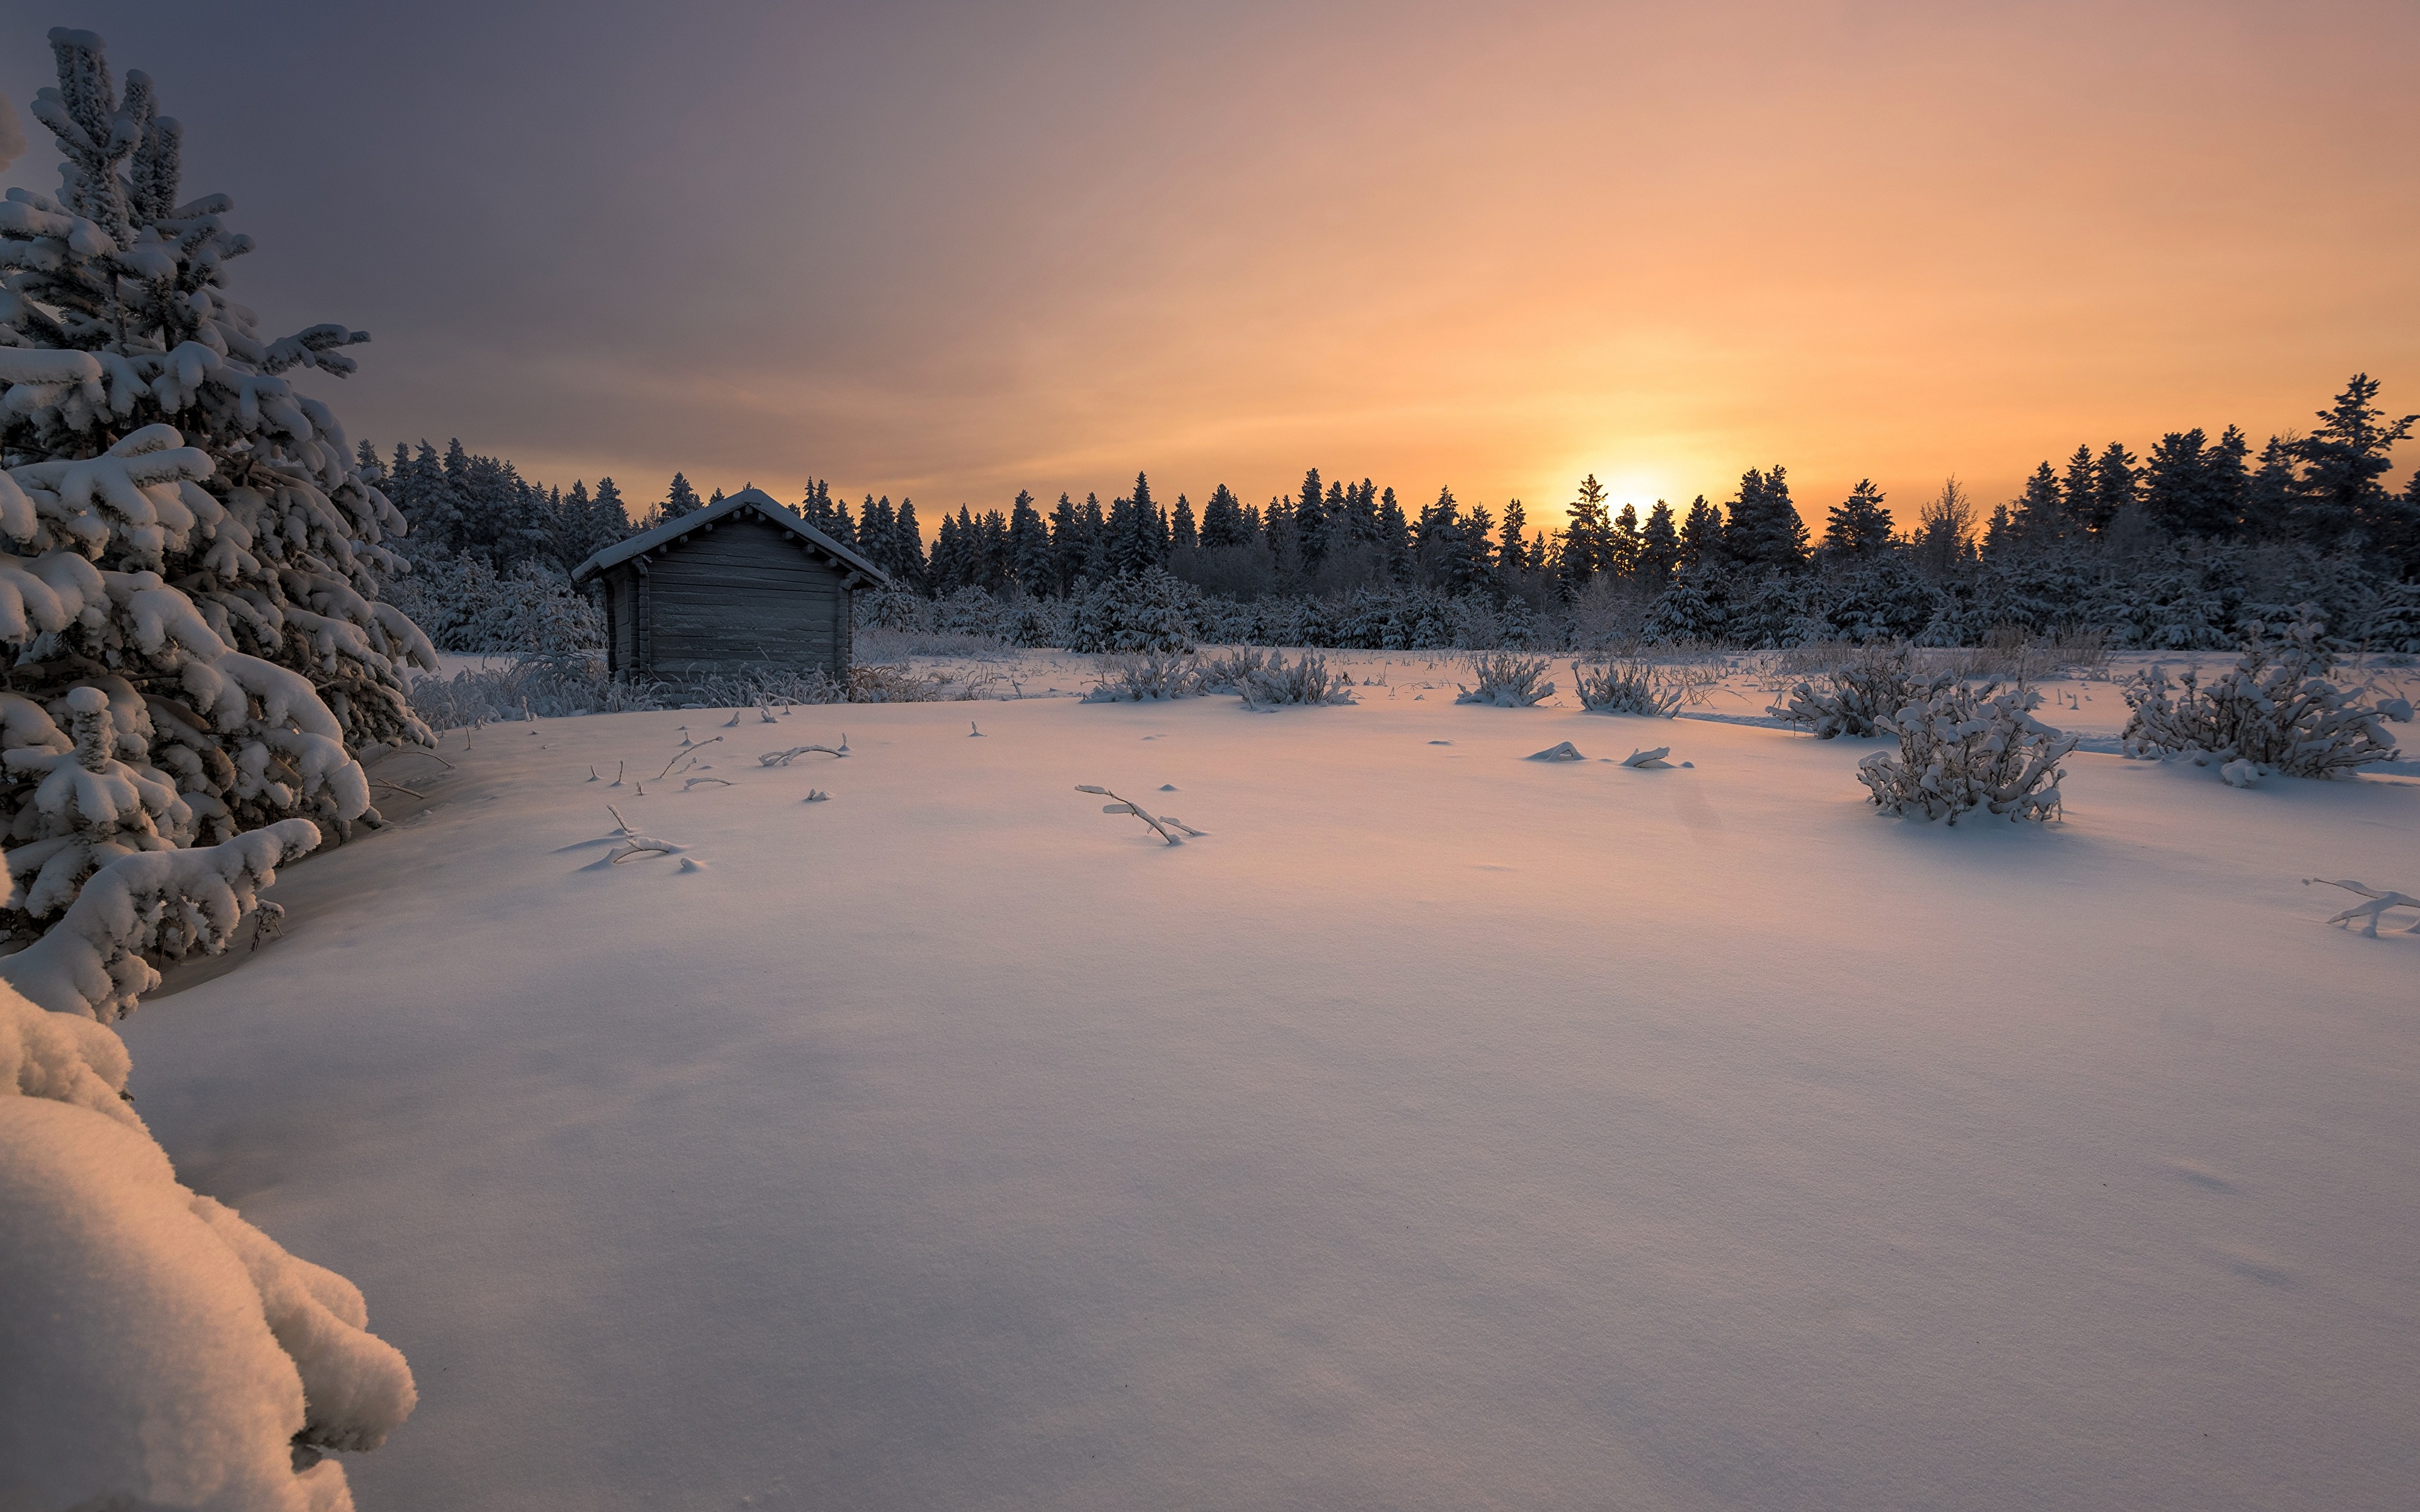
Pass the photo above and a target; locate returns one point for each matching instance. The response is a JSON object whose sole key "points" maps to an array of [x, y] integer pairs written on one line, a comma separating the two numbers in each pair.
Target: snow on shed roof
{"points": [[755, 501]]}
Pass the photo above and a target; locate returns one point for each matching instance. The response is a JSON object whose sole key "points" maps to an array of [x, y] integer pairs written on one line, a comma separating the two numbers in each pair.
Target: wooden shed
{"points": [[742, 584]]}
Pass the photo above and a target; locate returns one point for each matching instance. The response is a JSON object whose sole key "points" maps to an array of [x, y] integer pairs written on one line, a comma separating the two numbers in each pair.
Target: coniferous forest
{"points": [[2174, 547]]}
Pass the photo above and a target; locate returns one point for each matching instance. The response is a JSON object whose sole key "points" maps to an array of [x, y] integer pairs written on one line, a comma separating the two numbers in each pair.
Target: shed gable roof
{"points": [[749, 503]]}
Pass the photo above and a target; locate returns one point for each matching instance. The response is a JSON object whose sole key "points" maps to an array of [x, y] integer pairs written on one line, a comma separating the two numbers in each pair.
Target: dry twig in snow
{"points": [[1165, 823], [689, 751], [639, 845], [784, 758], [1648, 759], [2378, 903]]}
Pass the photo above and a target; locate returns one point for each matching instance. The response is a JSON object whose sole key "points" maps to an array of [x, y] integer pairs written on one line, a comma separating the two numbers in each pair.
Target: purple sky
{"points": [[951, 251]]}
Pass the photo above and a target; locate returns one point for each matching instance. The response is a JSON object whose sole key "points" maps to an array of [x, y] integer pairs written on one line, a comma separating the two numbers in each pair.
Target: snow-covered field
{"points": [[1443, 1130]]}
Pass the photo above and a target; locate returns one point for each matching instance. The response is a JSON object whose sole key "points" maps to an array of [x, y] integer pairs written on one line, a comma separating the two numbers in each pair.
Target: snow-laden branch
{"points": [[158, 904]]}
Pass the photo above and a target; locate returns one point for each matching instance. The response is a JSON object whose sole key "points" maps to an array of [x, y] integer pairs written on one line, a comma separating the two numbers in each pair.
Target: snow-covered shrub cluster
{"points": [[1963, 748], [1146, 677], [2275, 708], [1856, 697], [1506, 680], [1628, 687], [466, 606], [188, 587], [1304, 680], [554, 687]]}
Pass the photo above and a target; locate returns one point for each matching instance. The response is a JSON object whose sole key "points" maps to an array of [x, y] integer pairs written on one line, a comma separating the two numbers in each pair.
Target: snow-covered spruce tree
{"points": [[1963, 748], [188, 576], [2275, 707], [1150, 610]]}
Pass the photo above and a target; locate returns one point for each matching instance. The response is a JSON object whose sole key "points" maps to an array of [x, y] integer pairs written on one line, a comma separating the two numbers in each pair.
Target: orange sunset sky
{"points": [[950, 252]]}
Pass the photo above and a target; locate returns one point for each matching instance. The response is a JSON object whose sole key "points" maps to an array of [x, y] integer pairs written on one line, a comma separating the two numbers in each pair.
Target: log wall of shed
{"points": [[743, 593]]}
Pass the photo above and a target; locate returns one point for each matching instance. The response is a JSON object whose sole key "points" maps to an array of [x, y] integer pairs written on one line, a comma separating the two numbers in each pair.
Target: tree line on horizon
{"points": [[2325, 490]]}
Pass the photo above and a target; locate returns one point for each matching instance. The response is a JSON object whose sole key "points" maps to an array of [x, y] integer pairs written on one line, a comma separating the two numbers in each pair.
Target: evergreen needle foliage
{"points": [[189, 595]]}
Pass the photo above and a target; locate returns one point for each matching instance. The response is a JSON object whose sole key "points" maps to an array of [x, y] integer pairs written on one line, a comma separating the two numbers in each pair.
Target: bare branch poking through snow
{"points": [[784, 758], [1649, 759], [816, 795], [694, 782], [1564, 753], [2378, 903], [1165, 823], [639, 845], [687, 749]]}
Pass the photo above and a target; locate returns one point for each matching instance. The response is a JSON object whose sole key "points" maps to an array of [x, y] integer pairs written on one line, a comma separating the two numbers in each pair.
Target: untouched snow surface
{"points": [[1445, 1129]]}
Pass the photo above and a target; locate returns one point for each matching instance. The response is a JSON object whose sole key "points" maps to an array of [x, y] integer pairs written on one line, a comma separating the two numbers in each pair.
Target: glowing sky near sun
{"points": [[949, 251]]}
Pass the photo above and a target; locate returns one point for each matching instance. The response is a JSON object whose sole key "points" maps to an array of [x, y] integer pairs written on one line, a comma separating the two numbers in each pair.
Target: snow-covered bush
{"points": [[554, 687], [1628, 687], [1963, 748], [1226, 671], [2275, 707], [1855, 698], [1506, 680], [186, 540], [1149, 611], [466, 606], [1151, 676], [1305, 680]]}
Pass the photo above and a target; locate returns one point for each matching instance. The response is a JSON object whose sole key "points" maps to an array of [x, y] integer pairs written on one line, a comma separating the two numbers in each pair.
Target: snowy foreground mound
{"points": [[160, 1350], [1441, 1128]]}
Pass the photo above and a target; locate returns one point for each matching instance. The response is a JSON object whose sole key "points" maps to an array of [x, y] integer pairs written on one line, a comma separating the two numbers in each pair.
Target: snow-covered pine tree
{"points": [[1859, 525], [188, 591], [680, 500]]}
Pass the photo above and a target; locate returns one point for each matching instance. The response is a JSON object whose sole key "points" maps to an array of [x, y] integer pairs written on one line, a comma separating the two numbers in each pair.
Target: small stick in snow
{"points": [[1649, 759], [2379, 902], [626, 828], [972, 729], [695, 780], [619, 769], [690, 752], [395, 787], [639, 845], [1161, 823], [1564, 753], [816, 795], [768, 714], [592, 773], [784, 758]]}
